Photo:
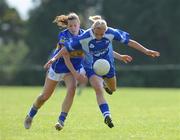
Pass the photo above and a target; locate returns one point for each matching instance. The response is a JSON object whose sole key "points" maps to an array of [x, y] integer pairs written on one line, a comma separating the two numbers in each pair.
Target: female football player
{"points": [[58, 71]]}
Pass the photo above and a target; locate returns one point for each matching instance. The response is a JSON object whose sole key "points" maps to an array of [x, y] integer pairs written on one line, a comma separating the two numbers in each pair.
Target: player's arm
{"points": [[81, 78], [120, 57], [124, 38], [61, 53], [66, 48], [70, 66], [134, 44]]}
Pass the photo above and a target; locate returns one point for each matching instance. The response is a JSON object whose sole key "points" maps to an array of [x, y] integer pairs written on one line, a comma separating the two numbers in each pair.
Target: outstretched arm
{"points": [[139, 47], [120, 57], [62, 52]]}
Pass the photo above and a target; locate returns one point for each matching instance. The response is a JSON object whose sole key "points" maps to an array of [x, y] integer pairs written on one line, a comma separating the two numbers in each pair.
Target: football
{"points": [[101, 67]]}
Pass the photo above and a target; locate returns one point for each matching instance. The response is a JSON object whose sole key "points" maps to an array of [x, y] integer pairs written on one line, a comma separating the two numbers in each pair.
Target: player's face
{"points": [[73, 26], [99, 33]]}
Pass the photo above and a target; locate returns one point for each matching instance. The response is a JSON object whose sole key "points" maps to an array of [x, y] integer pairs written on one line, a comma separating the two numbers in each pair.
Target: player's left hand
{"points": [[126, 58], [152, 53], [81, 78], [49, 63]]}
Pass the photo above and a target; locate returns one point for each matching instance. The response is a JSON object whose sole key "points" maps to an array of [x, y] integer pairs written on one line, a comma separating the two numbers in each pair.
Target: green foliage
{"points": [[155, 24], [12, 59], [12, 53], [42, 33], [152, 23], [11, 26]]}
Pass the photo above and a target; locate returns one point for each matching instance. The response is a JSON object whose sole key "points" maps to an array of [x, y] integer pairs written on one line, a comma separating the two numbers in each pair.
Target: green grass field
{"points": [[138, 114]]}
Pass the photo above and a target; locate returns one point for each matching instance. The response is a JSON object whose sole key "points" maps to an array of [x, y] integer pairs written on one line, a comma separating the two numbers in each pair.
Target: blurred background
{"points": [[28, 36]]}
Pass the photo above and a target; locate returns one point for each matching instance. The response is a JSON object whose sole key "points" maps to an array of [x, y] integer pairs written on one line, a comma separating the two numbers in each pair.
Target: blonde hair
{"points": [[98, 22], [62, 20]]}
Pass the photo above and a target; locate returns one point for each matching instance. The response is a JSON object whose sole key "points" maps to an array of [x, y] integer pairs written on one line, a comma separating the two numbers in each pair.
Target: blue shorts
{"points": [[60, 67], [110, 74], [90, 72]]}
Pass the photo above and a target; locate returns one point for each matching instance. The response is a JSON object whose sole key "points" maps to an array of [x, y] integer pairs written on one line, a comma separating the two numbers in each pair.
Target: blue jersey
{"points": [[76, 56], [99, 48]]}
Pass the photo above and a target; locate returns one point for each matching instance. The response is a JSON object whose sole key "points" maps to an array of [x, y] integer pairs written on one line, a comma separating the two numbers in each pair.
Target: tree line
{"points": [[26, 45]]}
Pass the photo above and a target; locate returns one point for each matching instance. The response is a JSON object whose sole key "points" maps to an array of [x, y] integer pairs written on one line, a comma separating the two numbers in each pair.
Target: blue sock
{"points": [[63, 116], [105, 109], [33, 111]]}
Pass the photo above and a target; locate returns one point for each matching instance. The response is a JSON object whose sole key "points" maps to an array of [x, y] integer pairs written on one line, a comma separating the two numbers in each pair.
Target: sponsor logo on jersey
{"points": [[91, 46]]}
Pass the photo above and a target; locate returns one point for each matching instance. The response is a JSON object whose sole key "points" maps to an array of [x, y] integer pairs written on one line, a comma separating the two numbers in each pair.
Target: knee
{"points": [[98, 88], [43, 98], [71, 89], [113, 89]]}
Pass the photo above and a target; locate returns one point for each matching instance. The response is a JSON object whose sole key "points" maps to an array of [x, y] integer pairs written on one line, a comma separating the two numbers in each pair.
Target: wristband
{"points": [[53, 59]]}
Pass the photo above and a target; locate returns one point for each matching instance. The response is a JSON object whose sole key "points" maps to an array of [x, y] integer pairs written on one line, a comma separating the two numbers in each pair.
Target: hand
{"points": [[81, 78], [126, 58], [49, 63], [152, 53]]}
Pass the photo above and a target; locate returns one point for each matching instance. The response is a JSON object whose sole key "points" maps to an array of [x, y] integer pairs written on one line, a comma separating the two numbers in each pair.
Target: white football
{"points": [[101, 67]]}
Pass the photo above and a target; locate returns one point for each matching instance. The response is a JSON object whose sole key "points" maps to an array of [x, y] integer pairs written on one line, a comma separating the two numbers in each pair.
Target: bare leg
{"points": [[48, 89], [68, 100], [97, 84], [71, 88]]}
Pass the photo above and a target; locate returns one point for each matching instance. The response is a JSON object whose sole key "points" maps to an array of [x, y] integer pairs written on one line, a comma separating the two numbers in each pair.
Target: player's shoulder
{"points": [[111, 30], [85, 34], [63, 33]]}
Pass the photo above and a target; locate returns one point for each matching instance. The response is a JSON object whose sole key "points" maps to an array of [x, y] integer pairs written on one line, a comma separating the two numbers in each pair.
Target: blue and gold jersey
{"points": [[76, 56], [66, 36]]}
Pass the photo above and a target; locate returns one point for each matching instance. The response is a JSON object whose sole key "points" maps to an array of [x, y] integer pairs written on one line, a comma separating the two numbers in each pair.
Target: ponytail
{"points": [[98, 22], [94, 18], [62, 20]]}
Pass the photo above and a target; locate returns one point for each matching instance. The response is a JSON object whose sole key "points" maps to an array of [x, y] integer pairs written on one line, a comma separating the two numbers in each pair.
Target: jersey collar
{"points": [[92, 34]]}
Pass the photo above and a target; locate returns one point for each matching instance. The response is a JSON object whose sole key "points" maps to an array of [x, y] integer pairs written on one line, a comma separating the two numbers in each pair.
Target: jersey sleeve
{"points": [[61, 38], [74, 44], [121, 36]]}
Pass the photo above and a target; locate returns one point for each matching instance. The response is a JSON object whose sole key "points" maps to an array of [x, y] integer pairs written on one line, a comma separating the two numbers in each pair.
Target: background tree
{"points": [[11, 26], [42, 34], [13, 49], [155, 25]]}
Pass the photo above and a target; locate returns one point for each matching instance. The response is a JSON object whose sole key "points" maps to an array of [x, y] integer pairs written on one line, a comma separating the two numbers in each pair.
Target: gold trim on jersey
{"points": [[76, 53], [58, 46]]}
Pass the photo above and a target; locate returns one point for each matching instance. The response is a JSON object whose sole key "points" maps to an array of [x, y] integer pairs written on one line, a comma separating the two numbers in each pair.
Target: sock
{"points": [[33, 111], [63, 116], [105, 109]]}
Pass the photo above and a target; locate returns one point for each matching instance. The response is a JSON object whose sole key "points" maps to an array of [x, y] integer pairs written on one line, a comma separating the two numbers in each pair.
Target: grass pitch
{"points": [[138, 114]]}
